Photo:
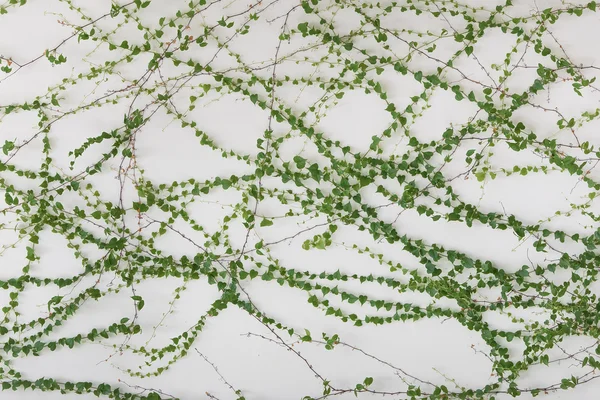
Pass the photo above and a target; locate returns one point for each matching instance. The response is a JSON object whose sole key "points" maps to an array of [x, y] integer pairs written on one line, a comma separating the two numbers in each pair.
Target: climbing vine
{"points": [[300, 185]]}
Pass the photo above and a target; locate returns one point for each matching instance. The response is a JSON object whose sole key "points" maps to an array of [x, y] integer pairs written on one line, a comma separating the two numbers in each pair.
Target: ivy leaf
{"points": [[266, 222]]}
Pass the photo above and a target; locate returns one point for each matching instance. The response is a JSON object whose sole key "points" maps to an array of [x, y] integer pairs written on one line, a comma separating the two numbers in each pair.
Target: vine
{"points": [[154, 61]]}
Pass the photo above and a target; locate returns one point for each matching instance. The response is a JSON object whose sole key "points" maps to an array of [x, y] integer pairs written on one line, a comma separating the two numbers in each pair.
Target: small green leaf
{"points": [[266, 222]]}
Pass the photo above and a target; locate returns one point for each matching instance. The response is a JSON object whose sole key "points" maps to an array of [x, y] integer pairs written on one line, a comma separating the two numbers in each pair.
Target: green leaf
{"points": [[30, 254], [266, 222], [300, 162], [303, 27]]}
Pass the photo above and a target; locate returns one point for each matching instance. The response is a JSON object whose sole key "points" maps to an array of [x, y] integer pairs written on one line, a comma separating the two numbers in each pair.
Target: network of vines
{"points": [[173, 65]]}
